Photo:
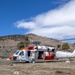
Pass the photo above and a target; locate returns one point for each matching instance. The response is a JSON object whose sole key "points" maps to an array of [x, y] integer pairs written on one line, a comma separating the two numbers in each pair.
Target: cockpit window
{"points": [[21, 53], [17, 52]]}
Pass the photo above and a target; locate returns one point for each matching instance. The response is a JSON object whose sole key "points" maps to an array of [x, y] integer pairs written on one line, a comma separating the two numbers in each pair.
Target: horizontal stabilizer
{"points": [[74, 52]]}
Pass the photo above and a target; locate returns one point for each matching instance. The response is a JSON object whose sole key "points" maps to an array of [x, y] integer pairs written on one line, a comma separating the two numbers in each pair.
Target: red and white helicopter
{"points": [[33, 53]]}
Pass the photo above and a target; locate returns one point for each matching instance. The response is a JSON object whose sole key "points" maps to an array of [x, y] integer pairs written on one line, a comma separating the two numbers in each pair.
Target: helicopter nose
{"points": [[10, 57]]}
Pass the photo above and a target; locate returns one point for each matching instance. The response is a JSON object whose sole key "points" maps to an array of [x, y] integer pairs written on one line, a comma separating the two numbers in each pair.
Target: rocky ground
{"points": [[45, 68]]}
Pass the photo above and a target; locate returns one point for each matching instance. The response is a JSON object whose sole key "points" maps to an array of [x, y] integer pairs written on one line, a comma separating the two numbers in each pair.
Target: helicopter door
{"points": [[40, 54], [21, 55], [29, 53]]}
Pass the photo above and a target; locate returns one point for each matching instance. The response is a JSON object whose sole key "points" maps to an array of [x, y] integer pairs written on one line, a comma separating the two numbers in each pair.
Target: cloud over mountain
{"points": [[58, 23]]}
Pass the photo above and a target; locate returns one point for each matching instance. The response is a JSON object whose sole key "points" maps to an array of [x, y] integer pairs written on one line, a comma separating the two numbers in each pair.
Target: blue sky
{"points": [[42, 17]]}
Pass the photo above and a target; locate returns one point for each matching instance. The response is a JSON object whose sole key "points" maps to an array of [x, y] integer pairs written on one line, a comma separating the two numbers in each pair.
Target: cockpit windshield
{"points": [[17, 52]]}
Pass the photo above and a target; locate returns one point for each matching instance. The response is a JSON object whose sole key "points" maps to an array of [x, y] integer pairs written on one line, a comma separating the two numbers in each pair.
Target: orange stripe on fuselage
{"points": [[28, 48]]}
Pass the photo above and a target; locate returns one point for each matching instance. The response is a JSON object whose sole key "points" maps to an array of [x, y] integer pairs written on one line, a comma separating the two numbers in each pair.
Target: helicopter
{"points": [[42, 53]]}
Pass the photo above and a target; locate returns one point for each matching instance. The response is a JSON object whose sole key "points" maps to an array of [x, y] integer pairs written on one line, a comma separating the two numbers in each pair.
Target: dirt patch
{"points": [[47, 68]]}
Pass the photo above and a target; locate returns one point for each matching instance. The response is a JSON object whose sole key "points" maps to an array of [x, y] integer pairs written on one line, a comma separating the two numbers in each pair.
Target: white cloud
{"points": [[58, 23], [23, 24]]}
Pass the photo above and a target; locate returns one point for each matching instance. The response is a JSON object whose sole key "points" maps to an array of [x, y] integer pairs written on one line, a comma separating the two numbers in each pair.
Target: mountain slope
{"points": [[12, 40], [44, 40]]}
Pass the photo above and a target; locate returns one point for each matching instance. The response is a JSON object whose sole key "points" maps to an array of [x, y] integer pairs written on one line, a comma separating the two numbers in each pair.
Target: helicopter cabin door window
{"points": [[21, 53], [47, 53]]}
